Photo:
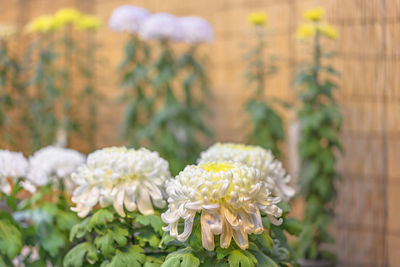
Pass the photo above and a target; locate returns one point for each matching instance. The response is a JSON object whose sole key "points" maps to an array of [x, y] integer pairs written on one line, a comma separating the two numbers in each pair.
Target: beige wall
{"points": [[367, 228]]}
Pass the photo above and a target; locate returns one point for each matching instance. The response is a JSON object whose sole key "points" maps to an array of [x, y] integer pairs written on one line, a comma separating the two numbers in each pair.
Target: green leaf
{"points": [[100, 218], [66, 220], [153, 220], [153, 261], [181, 258], [133, 257], [79, 230], [292, 226], [53, 242], [75, 257], [147, 236], [10, 239], [238, 259], [266, 241], [116, 236]]}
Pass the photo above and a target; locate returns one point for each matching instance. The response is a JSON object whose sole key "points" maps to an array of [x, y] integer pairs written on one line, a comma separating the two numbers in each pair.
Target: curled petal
{"points": [[187, 230]]}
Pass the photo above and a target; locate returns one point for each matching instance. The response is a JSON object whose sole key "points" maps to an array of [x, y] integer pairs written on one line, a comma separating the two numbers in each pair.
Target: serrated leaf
{"points": [[181, 258], [100, 218], [10, 239], [153, 220], [133, 257], [75, 257], [238, 259], [107, 242], [79, 230]]}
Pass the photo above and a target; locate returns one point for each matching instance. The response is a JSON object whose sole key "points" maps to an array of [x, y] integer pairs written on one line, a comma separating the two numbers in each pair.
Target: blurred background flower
{"points": [[196, 30], [127, 18], [161, 26]]}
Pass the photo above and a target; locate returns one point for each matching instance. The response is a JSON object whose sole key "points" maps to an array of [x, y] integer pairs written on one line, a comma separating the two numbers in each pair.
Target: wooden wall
{"points": [[367, 227]]}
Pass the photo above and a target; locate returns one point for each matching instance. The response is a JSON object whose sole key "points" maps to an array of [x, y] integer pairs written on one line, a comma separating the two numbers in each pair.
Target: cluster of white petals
{"points": [[229, 197], [127, 18], [271, 169], [13, 165], [161, 26], [51, 164], [120, 177], [196, 30]]}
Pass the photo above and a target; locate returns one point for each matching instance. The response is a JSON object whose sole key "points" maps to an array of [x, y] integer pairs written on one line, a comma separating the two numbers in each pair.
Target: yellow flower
{"points": [[306, 30], [258, 18], [66, 16], [328, 31], [43, 24], [314, 14], [88, 22]]}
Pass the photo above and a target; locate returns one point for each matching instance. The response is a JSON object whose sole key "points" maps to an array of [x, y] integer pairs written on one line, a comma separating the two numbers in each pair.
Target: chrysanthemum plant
{"points": [[163, 112], [120, 197], [267, 126], [320, 123], [36, 204], [220, 212], [55, 63], [134, 68], [177, 125]]}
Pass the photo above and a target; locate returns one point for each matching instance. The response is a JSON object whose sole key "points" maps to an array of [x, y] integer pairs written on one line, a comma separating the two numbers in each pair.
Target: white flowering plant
{"points": [[36, 203], [120, 195], [163, 90], [219, 212]]}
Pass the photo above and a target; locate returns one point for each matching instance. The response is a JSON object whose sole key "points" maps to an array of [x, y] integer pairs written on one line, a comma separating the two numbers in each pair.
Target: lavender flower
{"points": [[196, 30], [161, 26], [127, 18]]}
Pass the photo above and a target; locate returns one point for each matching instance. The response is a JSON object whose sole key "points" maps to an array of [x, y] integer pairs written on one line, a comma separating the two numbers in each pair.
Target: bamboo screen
{"points": [[367, 227]]}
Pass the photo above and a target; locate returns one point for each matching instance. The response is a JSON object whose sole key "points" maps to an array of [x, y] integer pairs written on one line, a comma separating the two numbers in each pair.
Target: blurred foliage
{"points": [[267, 126], [137, 95], [10, 88], [41, 70], [40, 224], [163, 112], [320, 124]]}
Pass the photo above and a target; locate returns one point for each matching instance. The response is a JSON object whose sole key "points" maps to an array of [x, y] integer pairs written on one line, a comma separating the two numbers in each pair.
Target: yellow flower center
{"points": [[217, 167]]}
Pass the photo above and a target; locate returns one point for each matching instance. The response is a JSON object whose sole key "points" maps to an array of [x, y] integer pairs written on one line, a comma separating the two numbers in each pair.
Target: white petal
{"points": [[226, 235], [207, 238], [118, 203], [240, 238], [187, 230], [144, 203], [170, 216], [129, 202]]}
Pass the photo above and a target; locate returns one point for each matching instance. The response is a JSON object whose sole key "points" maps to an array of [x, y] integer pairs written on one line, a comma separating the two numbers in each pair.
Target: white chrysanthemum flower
{"points": [[13, 165], [122, 177], [196, 30], [127, 18], [161, 26], [49, 164], [257, 157], [229, 197]]}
